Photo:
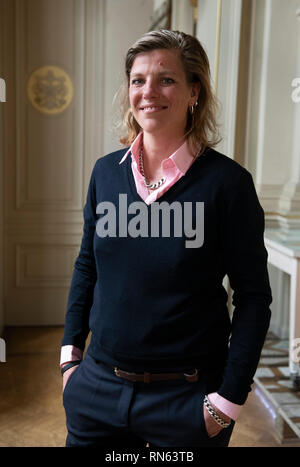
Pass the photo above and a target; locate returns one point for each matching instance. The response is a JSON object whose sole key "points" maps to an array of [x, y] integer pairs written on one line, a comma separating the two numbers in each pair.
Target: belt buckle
{"points": [[191, 377], [122, 374], [119, 372], [133, 376]]}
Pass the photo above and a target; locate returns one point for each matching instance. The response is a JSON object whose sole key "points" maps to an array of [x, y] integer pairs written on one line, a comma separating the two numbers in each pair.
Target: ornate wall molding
{"points": [[44, 265], [49, 151], [50, 89], [53, 139]]}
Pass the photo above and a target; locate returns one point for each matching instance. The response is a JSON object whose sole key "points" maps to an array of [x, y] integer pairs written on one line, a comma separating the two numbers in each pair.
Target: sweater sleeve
{"points": [[83, 280], [245, 256]]}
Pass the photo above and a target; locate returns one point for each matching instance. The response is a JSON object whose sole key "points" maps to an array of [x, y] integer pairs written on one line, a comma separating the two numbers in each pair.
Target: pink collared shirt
{"points": [[174, 167]]}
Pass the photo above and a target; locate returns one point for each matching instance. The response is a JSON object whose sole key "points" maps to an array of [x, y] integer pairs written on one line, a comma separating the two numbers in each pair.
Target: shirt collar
{"points": [[181, 158], [134, 148]]}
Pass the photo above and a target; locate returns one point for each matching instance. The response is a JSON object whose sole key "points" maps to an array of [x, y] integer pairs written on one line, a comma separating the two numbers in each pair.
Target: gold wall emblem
{"points": [[50, 89]]}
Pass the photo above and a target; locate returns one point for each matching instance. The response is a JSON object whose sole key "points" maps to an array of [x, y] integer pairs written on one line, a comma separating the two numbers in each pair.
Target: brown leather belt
{"points": [[149, 377]]}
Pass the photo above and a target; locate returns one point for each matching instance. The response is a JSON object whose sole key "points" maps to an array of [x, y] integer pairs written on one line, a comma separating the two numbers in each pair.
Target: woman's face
{"points": [[159, 93]]}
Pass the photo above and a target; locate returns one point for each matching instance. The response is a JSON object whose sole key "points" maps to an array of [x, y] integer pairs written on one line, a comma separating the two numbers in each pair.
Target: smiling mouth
{"points": [[153, 108]]}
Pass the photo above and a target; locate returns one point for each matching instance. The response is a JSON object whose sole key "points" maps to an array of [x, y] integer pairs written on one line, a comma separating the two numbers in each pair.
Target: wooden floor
{"points": [[31, 411]]}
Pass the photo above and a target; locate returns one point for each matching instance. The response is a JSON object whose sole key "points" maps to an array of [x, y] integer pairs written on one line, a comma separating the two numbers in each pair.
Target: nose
{"points": [[150, 89]]}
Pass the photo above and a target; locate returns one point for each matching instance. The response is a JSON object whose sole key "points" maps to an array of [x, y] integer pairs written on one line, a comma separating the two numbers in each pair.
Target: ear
{"points": [[195, 89]]}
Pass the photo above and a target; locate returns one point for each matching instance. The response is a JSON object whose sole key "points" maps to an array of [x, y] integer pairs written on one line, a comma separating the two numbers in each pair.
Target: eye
{"points": [[167, 80], [136, 81]]}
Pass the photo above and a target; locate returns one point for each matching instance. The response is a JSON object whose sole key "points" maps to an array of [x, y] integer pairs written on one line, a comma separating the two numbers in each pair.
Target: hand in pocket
{"points": [[212, 427], [67, 375]]}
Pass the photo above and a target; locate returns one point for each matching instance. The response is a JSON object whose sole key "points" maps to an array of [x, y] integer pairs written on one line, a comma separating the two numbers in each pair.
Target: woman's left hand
{"points": [[212, 427]]}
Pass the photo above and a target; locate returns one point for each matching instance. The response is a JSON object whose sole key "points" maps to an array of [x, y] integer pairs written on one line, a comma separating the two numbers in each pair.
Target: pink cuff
{"points": [[69, 353], [228, 408]]}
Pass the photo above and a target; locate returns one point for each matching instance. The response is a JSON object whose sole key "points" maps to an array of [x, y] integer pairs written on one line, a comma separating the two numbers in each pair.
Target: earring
{"points": [[192, 108]]}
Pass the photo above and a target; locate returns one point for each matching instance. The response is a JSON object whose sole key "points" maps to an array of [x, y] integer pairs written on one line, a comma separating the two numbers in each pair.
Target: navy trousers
{"points": [[105, 410]]}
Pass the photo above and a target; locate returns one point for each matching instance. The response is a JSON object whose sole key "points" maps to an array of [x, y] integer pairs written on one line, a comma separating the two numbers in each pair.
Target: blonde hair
{"points": [[201, 128]]}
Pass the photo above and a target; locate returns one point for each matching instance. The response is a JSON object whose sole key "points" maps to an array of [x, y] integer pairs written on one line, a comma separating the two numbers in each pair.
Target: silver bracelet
{"points": [[214, 415]]}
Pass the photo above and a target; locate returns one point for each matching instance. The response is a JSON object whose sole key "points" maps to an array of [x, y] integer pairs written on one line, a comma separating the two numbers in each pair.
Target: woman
{"points": [[165, 220]]}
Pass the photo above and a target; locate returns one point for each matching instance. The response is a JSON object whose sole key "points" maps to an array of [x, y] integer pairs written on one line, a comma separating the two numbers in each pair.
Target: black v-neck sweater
{"points": [[154, 304]]}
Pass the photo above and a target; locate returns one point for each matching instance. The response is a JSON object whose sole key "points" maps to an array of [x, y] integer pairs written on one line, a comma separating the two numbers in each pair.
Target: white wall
{"points": [[207, 29], [218, 30], [272, 137], [275, 58], [182, 16], [273, 149], [46, 177], [125, 22]]}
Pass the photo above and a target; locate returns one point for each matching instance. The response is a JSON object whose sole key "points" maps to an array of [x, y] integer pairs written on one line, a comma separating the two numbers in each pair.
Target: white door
{"points": [[63, 61]]}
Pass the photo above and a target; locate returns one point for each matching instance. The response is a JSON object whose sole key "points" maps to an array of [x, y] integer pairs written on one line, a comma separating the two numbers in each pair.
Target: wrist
{"points": [[219, 412], [222, 419], [229, 408], [70, 365]]}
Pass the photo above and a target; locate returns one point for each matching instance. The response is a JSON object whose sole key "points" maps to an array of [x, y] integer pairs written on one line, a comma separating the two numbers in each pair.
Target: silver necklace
{"points": [[151, 186]]}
